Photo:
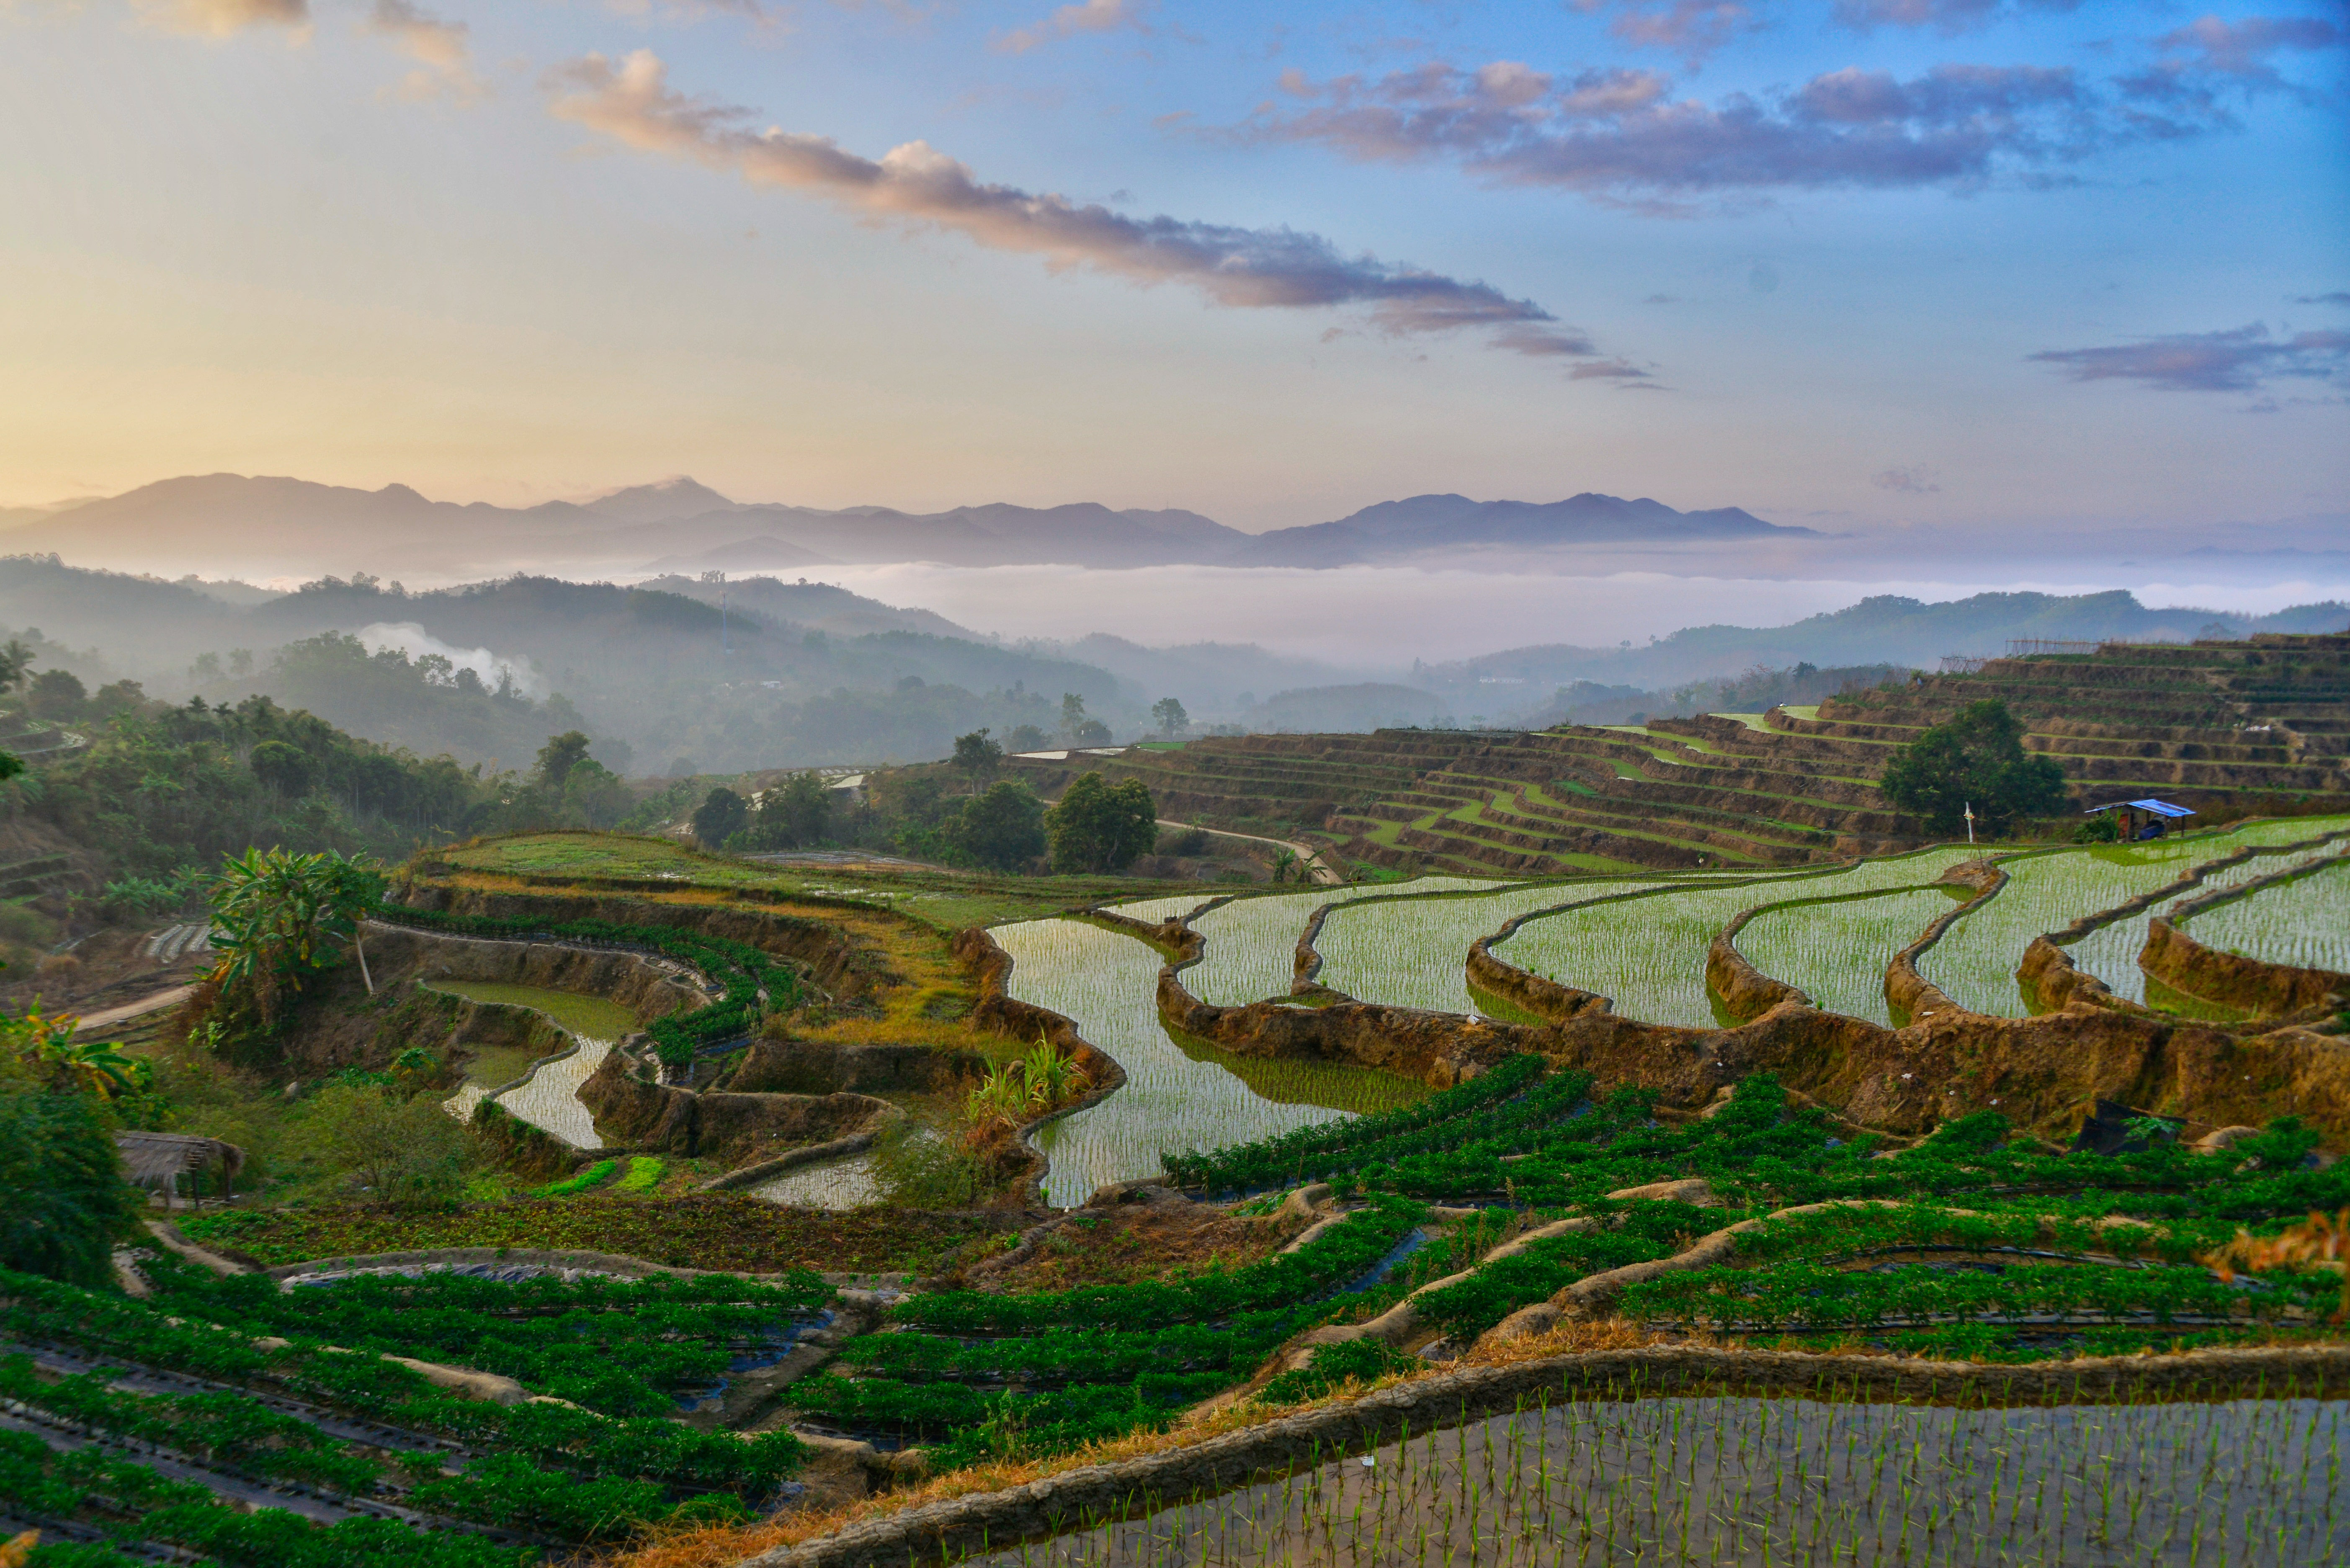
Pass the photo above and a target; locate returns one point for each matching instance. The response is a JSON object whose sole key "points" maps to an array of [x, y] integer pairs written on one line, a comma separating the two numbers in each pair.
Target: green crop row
{"points": [[1078, 1355], [742, 970], [1797, 1294], [587, 1445], [134, 1504], [961, 1425], [505, 1490], [1288, 1157], [595, 1174], [614, 1346], [1343, 1252]]}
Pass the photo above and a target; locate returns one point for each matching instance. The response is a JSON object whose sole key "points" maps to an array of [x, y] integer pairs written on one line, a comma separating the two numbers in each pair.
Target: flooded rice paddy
{"points": [[1778, 1483], [549, 1099], [848, 1182], [1173, 1099]]}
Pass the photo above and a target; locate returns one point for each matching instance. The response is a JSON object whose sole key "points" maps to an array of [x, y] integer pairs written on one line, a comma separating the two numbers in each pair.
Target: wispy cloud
{"points": [[1948, 17], [1614, 135], [1693, 29], [2208, 61], [2339, 296], [439, 49], [1914, 480], [220, 18], [2238, 360], [630, 102], [1086, 16]]}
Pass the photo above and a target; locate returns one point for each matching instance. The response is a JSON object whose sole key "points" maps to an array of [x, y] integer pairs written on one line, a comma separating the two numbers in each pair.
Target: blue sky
{"points": [[1939, 263]]}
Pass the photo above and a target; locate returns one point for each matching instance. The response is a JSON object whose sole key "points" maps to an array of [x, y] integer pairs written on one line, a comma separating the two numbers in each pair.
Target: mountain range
{"points": [[226, 523]]}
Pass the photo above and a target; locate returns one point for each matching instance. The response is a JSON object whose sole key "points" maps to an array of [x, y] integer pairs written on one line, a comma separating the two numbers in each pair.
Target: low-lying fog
{"points": [[1383, 618]]}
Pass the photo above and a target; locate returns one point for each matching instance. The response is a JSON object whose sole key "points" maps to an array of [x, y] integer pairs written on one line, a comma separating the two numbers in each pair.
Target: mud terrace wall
{"points": [[2181, 963], [1091, 1494], [636, 1114], [1947, 1062]]}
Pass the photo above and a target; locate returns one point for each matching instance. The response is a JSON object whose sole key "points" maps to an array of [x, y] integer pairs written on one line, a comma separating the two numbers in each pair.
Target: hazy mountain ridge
{"points": [[1882, 627], [274, 525]]}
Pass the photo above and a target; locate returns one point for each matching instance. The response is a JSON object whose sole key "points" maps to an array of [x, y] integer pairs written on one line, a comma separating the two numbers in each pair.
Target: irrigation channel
{"points": [[1175, 1098], [2255, 1484]]}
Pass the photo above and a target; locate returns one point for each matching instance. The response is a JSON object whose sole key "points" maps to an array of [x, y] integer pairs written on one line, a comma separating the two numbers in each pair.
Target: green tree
{"points": [[63, 1200], [407, 1153], [720, 817], [560, 755], [55, 694], [1002, 829], [1169, 716], [793, 815], [279, 917], [1100, 827], [16, 664], [286, 769], [1974, 758], [1073, 713], [977, 757]]}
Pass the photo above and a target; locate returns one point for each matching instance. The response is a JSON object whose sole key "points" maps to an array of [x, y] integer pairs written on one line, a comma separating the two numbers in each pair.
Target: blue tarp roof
{"points": [[2159, 807]]}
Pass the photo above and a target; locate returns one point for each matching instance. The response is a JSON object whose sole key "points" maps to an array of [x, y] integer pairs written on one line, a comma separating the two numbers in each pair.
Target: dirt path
{"points": [[1314, 865], [153, 1003]]}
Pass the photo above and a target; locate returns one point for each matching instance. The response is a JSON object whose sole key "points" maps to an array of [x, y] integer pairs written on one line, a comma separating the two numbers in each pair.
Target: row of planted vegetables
{"points": [[213, 1377], [1967, 1244]]}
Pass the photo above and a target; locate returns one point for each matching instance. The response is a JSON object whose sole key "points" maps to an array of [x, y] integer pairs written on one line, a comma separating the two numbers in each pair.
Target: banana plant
{"points": [[279, 917]]}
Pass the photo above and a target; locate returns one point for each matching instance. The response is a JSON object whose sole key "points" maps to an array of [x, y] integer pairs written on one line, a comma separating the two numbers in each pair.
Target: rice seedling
{"points": [[1172, 1099], [1413, 952], [2304, 922], [2110, 952], [1621, 1478], [1150, 911], [1975, 961], [848, 1182], [1834, 951], [1645, 953], [1251, 943]]}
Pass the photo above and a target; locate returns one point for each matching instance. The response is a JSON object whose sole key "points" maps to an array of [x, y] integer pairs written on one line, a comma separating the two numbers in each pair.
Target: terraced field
{"points": [[1413, 952], [1251, 943], [1172, 1099], [1836, 950], [2110, 952], [2234, 729], [2304, 922], [1975, 961], [1646, 952]]}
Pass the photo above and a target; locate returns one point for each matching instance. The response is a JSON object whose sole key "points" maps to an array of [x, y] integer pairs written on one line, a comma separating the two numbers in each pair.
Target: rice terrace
{"points": [[1660, 1144]]}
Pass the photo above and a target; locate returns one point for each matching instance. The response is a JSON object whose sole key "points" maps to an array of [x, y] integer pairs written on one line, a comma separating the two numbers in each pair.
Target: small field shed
{"points": [[2136, 819]]}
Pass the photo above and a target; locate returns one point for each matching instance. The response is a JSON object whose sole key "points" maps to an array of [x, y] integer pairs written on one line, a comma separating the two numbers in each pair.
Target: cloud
{"points": [[2339, 296], [1086, 16], [1690, 28], [1609, 370], [2208, 58], [221, 18], [1948, 17], [630, 102], [2238, 360], [686, 10], [1616, 135], [1915, 479], [440, 49]]}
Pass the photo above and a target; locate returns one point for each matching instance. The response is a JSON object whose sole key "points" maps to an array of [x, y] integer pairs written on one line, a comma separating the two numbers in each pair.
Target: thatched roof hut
{"points": [[159, 1159]]}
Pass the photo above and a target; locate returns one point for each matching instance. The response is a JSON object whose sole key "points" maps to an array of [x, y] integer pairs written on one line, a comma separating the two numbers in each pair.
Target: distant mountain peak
{"points": [[670, 500]]}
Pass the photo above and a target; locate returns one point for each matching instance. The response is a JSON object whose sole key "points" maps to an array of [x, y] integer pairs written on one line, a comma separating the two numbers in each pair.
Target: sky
{"points": [[1933, 264]]}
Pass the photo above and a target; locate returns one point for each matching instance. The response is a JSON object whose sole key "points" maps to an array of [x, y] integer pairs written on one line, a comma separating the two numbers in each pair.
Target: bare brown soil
{"points": [[1158, 1235]]}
